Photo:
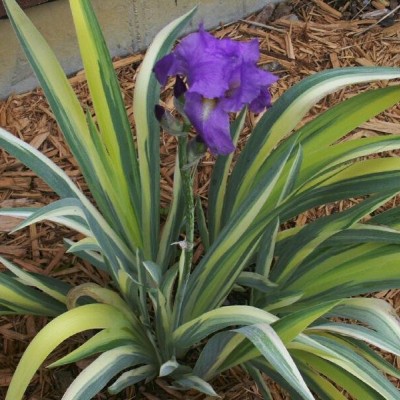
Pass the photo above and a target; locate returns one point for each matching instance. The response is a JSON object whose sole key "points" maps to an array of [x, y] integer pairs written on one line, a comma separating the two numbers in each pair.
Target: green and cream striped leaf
{"points": [[341, 119], [259, 379], [293, 168], [220, 267], [344, 152], [351, 384], [168, 367], [171, 229], [69, 207], [364, 233], [131, 377], [286, 113], [110, 297], [288, 328], [337, 121], [91, 316], [96, 376], [266, 252], [272, 302], [86, 244], [22, 299], [335, 363], [361, 171], [102, 341], [362, 178], [153, 271], [52, 287], [265, 367], [106, 94], [94, 258], [319, 384], [389, 217], [53, 175], [331, 126], [210, 322], [255, 281], [375, 313], [265, 256], [291, 325], [190, 381], [359, 367], [215, 352], [58, 180], [302, 245], [202, 224], [7, 311], [269, 344], [115, 131], [111, 245], [375, 358], [360, 333], [63, 102], [219, 179], [76, 224], [146, 96], [361, 269], [117, 253], [163, 322]]}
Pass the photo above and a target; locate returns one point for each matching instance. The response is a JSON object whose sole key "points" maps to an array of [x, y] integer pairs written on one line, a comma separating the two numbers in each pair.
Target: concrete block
{"points": [[128, 25]]}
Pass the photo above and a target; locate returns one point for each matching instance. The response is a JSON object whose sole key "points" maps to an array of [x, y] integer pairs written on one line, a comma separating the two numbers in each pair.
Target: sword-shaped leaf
{"points": [[80, 319], [146, 94], [267, 341], [96, 376]]}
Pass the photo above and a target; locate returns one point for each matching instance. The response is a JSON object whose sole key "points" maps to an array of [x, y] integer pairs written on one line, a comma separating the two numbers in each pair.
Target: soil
{"points": [[297, 38]]}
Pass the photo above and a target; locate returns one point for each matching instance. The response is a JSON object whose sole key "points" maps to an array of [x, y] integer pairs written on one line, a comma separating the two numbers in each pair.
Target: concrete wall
{"points": [[128, 25]]}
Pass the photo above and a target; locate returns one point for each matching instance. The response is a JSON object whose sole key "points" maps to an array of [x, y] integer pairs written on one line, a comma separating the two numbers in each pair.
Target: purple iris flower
{"points": [[222, 77]]}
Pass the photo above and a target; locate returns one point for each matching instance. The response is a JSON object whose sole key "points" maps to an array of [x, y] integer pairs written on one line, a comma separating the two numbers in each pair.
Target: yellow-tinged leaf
{"points": [[92, 316]]}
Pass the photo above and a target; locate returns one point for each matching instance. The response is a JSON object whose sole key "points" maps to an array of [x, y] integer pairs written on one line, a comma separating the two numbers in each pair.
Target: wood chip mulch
{"points": [[297, 38]]}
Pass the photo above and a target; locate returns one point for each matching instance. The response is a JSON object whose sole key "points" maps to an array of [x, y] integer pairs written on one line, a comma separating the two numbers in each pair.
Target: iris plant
{"points": [[222, 77], [165, 316]]}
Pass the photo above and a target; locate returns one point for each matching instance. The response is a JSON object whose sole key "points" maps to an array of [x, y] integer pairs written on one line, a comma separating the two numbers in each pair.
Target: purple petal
{"points": [[243, 51], [211, 123], [203, 64], [163, 68], [222, 76], [261, 102]]}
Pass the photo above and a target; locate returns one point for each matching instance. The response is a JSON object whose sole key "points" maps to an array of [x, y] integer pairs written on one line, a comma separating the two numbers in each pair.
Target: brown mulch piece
{"points": [[297, 39]]}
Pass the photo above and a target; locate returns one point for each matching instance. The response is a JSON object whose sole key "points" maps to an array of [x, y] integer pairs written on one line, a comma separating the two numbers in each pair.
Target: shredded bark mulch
{"points": [[297, 38]]}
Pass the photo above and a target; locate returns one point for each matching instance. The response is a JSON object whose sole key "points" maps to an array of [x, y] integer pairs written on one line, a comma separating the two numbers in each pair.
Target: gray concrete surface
{"points": [[128, 25]]}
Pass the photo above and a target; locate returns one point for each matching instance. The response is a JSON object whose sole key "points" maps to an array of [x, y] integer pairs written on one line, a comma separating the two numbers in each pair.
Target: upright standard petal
{"points": [[222, 77]]}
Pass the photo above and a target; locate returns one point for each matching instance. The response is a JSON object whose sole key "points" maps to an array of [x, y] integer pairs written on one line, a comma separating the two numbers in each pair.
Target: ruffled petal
{"points": [[163, 68], [211, 123], [222, 76], [261, 102]]}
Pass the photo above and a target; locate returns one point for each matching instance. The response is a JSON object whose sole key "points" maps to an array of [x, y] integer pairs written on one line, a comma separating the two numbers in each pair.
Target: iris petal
{"points": [[163, 68], [222, 77], [211, 122]]}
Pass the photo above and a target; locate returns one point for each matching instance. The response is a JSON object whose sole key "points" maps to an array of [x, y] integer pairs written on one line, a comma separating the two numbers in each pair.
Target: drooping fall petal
{"points": [[222, 77]]}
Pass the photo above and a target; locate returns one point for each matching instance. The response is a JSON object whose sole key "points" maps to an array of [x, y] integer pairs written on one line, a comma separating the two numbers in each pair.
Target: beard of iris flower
{"points": [[222, 77]]}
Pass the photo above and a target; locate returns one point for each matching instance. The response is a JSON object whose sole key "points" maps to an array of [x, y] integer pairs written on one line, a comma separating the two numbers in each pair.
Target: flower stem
{"points": [[187, 247], [187, 186]]}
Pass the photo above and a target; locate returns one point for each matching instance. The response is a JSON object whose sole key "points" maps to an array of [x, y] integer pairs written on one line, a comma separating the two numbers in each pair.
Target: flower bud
{"points": [[179, 87], [168, 122], [159, 111]]}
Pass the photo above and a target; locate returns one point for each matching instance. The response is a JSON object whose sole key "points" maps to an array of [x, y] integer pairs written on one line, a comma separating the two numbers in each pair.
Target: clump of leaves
{"points": [[299, 282]]}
